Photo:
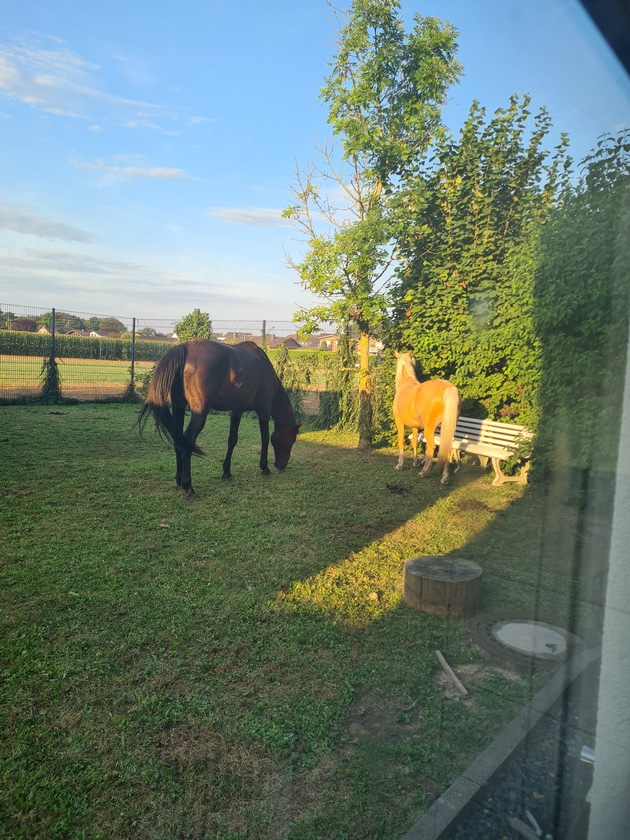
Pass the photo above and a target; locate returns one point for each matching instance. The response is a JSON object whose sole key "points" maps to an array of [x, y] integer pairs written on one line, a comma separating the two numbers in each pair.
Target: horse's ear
{"points": [[397, 354]]}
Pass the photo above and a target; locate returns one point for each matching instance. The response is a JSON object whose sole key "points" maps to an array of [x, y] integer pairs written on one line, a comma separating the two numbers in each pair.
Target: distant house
{"points": [[290, 343], [44, 330], [322, 342], [272, 342], [153, 337], [239, 336]]}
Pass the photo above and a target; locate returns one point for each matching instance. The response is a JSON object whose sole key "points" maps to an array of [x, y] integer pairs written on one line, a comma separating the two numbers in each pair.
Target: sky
{"points": [[147, 148]]}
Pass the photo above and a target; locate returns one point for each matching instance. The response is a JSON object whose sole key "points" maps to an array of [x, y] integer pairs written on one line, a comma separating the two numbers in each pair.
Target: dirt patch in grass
{"points": [[472, 505], [372, 717], [237, 787], [187, 745], [474, 675]]}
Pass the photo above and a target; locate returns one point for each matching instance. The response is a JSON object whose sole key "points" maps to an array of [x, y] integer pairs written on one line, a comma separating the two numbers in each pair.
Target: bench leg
{"points": [[501, 478]]}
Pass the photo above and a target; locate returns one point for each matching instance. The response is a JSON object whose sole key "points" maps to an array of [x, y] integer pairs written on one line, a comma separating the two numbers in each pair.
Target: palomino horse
{"points": [[206, 375], [424, 405]]}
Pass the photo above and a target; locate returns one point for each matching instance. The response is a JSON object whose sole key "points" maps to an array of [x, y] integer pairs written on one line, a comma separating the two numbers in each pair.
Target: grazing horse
{"points": [[424, 405], [207, 375]]}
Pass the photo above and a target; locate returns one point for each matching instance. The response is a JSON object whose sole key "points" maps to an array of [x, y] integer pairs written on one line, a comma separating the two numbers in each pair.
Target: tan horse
{"points": [[424, 405]]}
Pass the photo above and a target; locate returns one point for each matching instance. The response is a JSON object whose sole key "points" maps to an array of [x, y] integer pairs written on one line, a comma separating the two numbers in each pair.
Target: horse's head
{"points": [[405, 365], [282, 439]]}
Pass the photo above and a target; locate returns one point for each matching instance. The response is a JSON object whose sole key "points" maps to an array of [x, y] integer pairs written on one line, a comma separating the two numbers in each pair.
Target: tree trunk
{"points": [[446, 586], [365, 402]]}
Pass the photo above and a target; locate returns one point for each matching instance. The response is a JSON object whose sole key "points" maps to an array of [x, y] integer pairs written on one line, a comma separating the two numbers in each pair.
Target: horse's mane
{"points": [[405, 367]]}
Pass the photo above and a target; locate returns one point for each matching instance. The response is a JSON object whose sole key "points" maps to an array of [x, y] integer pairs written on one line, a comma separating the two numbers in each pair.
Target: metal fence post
{"points": [[52, 334], [133, 353], [263, 337]]}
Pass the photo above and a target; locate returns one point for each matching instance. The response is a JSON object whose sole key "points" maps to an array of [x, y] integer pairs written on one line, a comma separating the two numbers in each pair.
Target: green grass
{"points": [[80, 378], [239, 666]]}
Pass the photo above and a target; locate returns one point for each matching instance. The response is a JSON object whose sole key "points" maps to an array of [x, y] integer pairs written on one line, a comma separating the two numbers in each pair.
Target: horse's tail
{"points": [[167, 386], [450, 417]]}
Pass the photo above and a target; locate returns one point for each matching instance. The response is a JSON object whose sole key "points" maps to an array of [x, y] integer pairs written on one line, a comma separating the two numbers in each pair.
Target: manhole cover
{"points": [[524, 640]]}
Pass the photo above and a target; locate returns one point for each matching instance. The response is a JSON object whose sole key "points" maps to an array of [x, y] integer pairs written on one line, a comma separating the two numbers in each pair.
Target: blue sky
{"points": [[147, 148]]}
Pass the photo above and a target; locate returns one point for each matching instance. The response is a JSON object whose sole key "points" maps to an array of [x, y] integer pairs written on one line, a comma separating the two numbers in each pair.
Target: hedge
{"points": [[14, 343]]}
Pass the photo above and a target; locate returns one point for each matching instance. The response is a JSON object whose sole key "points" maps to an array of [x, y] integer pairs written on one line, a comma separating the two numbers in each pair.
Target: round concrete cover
{"points": [[532, 637]]}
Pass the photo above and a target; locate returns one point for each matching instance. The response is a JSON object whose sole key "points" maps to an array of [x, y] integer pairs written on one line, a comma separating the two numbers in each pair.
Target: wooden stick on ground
{"points": [[450, 673], [522, 828]]}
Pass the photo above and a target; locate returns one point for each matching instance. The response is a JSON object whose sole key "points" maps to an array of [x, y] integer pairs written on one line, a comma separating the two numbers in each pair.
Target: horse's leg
{"points": [[445, 472], [235, 422], [434, 419], [400, 427], [414, 446], [445, 475], [178, 418], [264, 444], [429, 431], [195, 425]]}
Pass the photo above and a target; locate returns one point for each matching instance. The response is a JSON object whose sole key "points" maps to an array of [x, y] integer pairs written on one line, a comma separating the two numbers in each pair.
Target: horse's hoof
{"points": [[189, 494], [226, 476], [398, 467], [266, 471]]}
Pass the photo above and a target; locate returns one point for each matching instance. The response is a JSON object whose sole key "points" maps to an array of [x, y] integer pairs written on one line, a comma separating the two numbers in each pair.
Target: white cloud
{"points": [[21, 219], [129, 173], [34, 261], [255, 216], [198, 120], [60, 82], [79, 282]]}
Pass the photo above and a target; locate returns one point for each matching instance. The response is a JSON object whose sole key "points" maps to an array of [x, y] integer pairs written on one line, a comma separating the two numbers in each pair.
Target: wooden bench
{"points": [[490, 440]]}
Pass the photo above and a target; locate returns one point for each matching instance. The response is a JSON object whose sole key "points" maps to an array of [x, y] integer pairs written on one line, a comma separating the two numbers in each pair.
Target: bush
{"points": [[51, 388], [78, 347]]}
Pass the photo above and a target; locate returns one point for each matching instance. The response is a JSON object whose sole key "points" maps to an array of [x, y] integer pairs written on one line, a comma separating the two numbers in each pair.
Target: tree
{"points": [[582, 312], [385, 94], [63, 321], [6, 319], [196, 324], [24, 325], [112, 326], [282, 359], [468, 226]]}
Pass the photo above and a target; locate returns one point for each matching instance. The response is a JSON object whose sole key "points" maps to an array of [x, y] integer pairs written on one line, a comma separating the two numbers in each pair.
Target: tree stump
{"points": [[446, 586]]}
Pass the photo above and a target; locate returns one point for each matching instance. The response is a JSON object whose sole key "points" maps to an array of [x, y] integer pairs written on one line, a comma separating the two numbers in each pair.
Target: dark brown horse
{"points": [[207, 375]]}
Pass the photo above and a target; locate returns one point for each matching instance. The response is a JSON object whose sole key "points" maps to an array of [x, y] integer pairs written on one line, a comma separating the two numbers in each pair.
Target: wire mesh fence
{"points": [[103, 356]]}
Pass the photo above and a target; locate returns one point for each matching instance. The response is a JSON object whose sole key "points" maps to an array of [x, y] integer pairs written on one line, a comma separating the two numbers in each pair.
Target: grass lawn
{"points": [[239, 666]]}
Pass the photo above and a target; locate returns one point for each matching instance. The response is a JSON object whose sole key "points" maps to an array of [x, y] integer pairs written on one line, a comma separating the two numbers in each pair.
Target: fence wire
{"points": [[125, 352]]}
